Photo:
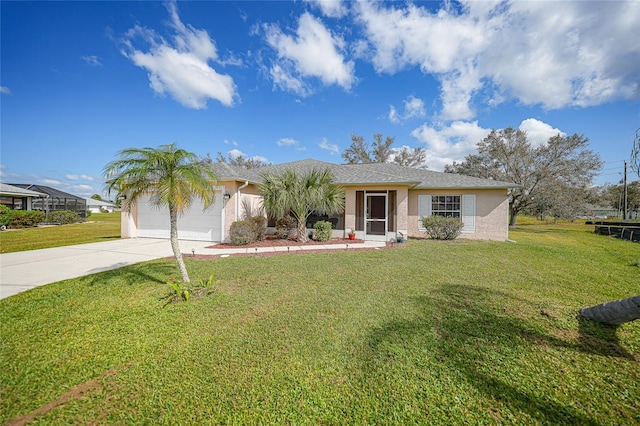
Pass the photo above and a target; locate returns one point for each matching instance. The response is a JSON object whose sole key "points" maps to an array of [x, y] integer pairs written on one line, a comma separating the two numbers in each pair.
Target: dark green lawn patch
{"points": [[429, 333], [99, 227]]}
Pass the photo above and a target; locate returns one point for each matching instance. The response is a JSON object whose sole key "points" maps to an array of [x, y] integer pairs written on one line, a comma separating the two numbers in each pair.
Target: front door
{"points": [[376, 217]]}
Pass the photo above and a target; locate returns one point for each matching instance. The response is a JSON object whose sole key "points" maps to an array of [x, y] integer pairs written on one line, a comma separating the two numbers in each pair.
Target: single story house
{"points": [[99, 206], [382, 202], [51, 199], [17, 198]]}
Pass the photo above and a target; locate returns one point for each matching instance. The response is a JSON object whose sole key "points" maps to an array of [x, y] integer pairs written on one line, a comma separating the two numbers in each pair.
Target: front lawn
{"points": [[429, 333], [99, 227]]}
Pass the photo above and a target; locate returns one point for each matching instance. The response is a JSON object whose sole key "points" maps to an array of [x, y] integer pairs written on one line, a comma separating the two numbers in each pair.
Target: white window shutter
{"points": [[424, 209], [469, 213]]}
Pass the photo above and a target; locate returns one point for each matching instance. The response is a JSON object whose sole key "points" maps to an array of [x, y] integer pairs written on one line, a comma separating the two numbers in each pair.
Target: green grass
{"points": [[429, 333], [99, 227]]}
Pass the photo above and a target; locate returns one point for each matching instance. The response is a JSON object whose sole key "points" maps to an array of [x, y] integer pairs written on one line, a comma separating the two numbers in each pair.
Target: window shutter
{"points": [[469, 213], [424, 209]]}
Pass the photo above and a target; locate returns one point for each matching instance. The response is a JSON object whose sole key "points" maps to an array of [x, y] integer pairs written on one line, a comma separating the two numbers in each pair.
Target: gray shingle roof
{"points": [[378, 173], [16, 191]]}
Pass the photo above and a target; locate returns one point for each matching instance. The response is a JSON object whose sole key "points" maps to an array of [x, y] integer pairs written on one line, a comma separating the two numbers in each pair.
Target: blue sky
{"points": [[284, 81]]}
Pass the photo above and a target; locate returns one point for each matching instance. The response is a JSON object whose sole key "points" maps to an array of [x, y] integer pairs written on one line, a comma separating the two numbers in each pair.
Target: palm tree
{"points": [[616, 312], [173, 177], [300, 195]]}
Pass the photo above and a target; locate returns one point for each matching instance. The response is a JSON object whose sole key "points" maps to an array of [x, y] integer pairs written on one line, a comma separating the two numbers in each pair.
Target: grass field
{"points": [[99, 227], [429, 333]]}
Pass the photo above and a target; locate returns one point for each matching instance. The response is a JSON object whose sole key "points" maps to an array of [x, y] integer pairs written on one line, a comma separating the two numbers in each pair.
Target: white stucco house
{"points": [[382, 202], [98, 206]]}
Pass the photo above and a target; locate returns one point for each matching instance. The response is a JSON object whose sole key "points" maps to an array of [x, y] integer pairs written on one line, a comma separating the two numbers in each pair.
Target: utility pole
{"points": [[624, 193]]}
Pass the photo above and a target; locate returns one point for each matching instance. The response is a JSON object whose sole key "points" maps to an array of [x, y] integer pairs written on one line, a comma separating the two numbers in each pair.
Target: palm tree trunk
{"points": [[302, 231], [616, 312], [175, 245]]}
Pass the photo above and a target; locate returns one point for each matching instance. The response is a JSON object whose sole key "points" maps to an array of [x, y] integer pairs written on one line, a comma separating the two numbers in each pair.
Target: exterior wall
{"points": [[129, 222], [492, 212]]}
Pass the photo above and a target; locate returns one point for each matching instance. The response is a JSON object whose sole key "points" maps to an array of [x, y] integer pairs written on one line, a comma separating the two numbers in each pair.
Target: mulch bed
{"points": [[271, 241]]}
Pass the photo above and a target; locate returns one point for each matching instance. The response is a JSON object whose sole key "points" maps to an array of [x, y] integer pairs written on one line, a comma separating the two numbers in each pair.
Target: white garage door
{"points": [[195, 224]]}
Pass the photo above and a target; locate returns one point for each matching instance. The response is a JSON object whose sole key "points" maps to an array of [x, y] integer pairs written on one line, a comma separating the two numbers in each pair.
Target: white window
{"points": [[460, 206]]}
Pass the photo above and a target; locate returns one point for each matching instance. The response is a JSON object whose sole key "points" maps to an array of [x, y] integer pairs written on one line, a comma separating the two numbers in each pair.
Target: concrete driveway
{"points": [[25, 270], [28, 269]]}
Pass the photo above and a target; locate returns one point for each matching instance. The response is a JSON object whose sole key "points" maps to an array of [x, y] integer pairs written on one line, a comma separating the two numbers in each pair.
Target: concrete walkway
{"points": [[25, 270]]}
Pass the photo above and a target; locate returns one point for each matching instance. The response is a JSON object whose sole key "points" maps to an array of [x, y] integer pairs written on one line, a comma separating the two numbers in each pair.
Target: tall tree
{"points": [[359, 152], [613, 194], [173, 177], [239, 161], [507, 155], [410, 157], [300, 195]]}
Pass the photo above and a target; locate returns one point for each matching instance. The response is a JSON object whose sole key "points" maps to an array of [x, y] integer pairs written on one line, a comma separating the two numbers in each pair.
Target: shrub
{"points": [[322, 230], [242, 232], [259, 226], [5, 215], [442, 228], [285, 226], [88, 214], [24, 218], [63, 217]]}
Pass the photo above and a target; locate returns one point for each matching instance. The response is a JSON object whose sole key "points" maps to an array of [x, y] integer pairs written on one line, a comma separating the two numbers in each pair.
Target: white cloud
{"points": [[446, 144], [330, 8], [79, 177], [538, 132], [290, 142], [47, 181], [181, 67], [332, 148], [413, 108], [5, 90], [91, 60], [313, 52], [571, 54], [235, 153], [393, 115]]}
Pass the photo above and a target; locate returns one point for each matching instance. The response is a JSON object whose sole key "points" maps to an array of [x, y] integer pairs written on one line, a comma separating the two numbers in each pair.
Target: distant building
{"points": [[98, 206], [52, 199], [17, 198]]}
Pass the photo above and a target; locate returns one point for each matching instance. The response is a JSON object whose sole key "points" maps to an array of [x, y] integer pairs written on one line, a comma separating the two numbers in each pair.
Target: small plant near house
{"points": [[63, 217], [322, 230], [20, 218], [242, 232], [5, 215], [285, 226], [185, 292], [442, 228], [259, 226]]}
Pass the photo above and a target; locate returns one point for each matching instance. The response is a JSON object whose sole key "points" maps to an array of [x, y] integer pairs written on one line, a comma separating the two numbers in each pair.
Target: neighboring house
{"points": [[382, 202], [17, 198], [53, 199], [99, 206]]}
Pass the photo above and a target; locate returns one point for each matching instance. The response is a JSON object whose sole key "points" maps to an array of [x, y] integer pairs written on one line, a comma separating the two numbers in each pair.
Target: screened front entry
{"points": [[375, 213]]}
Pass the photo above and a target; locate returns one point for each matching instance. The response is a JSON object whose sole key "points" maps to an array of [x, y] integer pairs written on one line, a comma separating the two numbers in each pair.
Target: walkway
{"points": [[25, 270]]}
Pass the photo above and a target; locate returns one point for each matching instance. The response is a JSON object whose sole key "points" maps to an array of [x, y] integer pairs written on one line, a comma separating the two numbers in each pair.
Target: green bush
{"points": [[322, 230], [5, 215], [88, 213], [285, 226], [442, 228], [24, 218], [63, 217], [259, 226], [242, 233]]}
